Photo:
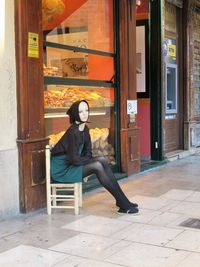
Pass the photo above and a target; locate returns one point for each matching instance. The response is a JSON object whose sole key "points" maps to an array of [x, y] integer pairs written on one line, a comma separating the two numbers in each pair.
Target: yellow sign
{"points": [[171, 50], [33, 45]]}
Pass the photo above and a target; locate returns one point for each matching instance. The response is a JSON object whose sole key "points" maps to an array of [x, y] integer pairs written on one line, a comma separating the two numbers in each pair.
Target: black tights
{"points": [[100, 167]]}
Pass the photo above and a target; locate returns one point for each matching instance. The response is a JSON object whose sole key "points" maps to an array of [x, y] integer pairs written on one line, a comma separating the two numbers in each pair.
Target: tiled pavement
{"points": [[100, 237]]}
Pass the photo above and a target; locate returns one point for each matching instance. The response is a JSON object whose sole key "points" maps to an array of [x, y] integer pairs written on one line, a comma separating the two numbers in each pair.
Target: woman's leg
{"points": [[112, 177], [107, 180]]}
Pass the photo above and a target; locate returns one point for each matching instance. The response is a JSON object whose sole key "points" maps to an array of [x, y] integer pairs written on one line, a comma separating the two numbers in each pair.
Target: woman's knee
{"points": [[102, 160], [98, 168], [95, 167], [98, 165]]}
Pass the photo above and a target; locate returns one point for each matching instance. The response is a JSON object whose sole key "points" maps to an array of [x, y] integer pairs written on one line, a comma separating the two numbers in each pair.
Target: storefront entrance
{"points": [[66, 51]]}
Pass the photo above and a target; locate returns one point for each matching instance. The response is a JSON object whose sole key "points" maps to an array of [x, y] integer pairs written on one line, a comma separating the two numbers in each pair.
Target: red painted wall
{"points": [[143, 117], [143, 7]]}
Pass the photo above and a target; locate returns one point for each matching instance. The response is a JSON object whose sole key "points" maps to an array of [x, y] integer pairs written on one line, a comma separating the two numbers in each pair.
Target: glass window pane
{"points": [[79, 23], [171, 88], [69, 64]]}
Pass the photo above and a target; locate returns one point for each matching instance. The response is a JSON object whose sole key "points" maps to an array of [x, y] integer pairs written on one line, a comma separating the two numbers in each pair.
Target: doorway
{"points": [[143, 96], [173, 86]]}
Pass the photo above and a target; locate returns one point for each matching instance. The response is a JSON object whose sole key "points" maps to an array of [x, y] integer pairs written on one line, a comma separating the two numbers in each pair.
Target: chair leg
{"points": [[49, 209], [54, 192], [48, 190], [49, 201], [48, 179], [80, 195], [76, 198]]}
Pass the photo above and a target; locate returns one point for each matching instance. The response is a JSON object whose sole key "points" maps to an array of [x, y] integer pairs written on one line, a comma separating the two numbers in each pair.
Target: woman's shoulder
{"points": [[73, 129], [69, 130]]}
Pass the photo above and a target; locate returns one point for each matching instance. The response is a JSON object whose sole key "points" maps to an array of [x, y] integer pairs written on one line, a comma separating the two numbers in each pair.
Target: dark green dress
{"points": [[62, 171]]}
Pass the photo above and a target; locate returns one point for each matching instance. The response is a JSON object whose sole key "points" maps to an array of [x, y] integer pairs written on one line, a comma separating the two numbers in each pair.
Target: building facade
{"points": [[8, 114], [136, 62]]}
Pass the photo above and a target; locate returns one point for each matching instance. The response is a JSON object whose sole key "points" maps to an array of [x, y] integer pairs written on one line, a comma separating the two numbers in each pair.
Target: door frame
{"points": [[156, 81]]}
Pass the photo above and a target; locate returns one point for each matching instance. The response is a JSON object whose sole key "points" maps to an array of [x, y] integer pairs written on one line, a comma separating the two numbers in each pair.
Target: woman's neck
{"points": [[81, 126]]}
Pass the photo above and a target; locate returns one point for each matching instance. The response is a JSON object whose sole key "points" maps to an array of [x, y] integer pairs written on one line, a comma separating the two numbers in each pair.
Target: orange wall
{"points": [[100, 37], [100, 68]]}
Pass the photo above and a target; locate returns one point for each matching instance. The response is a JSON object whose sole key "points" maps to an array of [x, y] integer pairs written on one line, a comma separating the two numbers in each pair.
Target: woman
{"points": [[71, 158]]}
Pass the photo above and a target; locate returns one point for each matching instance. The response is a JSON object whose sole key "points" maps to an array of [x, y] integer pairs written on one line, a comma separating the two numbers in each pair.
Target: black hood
{"points": [[73, 111]]}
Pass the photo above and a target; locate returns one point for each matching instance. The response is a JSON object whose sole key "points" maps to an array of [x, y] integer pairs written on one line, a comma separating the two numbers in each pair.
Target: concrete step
{"points": [[178, 154]]}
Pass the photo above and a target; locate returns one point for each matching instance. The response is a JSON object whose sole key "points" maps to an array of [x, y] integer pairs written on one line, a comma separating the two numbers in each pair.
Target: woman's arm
{"points": [[87, 148], [75, 157]]}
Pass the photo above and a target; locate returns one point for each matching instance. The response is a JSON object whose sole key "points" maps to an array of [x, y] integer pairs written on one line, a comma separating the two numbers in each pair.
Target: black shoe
{"points": [[132, 210], [134, 205]]}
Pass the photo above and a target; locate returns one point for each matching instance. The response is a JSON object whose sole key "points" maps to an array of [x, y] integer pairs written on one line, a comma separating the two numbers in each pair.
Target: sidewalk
{"points": [[165, 234]]}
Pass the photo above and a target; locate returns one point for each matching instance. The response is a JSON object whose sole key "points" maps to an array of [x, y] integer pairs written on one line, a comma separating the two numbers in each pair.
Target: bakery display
{"points": [[52, 71], [54, 138], [65, 96], [69, 68], [100, 143], [51, 8]]}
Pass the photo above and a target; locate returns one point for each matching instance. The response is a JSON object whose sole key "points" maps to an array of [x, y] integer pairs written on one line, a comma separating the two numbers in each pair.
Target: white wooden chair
{"points": [[61, 195]]}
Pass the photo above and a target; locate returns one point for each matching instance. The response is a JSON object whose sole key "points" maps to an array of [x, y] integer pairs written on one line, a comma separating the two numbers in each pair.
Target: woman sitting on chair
{"points": [[71, 158]]}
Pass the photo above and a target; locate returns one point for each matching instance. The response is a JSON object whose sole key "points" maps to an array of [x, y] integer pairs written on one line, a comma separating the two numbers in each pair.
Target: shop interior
{"points": [[79, 64]]}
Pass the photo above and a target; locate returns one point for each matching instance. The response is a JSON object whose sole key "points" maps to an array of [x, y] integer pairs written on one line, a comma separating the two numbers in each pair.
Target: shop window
{"points": [[79, 64]]}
